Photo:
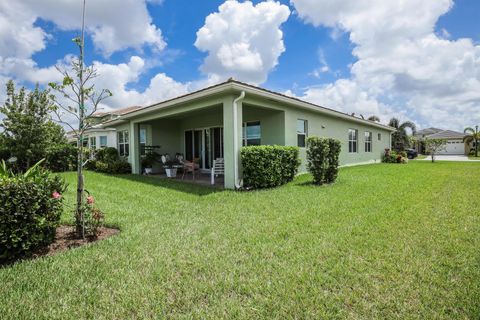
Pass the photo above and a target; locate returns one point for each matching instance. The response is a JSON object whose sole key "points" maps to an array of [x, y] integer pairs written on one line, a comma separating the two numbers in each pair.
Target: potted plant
{"points": [[148, 161], [169, 166]]}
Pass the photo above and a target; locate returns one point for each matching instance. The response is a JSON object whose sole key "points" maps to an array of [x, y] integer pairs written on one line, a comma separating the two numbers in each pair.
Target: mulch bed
{"points": [[66, 238]]}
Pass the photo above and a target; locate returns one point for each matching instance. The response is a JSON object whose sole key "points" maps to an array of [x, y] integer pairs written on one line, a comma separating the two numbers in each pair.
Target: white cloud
{"points": [[400, 57], [113, 27], [243, 40], [117, 77]]}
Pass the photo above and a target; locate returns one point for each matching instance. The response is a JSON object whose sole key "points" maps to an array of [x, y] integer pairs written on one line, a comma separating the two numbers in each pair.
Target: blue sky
{"points": [[333, 54]]}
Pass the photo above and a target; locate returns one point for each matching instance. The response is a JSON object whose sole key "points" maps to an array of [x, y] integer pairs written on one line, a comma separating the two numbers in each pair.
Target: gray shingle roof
{"points": [[447, 134]]}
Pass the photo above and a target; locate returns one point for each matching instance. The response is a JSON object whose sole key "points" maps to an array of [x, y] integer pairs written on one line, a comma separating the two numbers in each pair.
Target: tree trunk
{"points": [[79, 214]]}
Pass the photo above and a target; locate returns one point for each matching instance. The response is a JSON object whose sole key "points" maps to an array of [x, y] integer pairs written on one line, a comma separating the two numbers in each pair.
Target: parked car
{"points": [[411, 153]]}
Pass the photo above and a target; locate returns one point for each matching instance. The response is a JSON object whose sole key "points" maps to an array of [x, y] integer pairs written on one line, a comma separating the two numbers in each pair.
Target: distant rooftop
{"points": [[116, 112]]}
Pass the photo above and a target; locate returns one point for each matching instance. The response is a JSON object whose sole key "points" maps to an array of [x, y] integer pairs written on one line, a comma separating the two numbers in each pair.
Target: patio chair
{"points": [[191, 166], [218, 168]]}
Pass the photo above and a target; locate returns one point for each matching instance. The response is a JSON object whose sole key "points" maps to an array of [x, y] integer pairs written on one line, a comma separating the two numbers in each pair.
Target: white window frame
{"points": [[244, 132], [368, 141], [123, 140], [143, 141], [353, 142], [94, 144], [106, 141], [303, 133]]}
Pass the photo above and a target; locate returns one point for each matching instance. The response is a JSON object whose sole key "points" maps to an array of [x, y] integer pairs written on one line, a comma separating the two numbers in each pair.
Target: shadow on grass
{"points": [[177, 185]]}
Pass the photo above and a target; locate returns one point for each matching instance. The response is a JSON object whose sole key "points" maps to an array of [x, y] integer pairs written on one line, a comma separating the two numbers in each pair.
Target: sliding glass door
{"points": [[204, 144]]}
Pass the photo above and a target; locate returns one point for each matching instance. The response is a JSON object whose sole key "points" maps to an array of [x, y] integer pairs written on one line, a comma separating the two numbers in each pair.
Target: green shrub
{"points": [[30, 210], [61, 158], [334, 146], [119, 166], [269, 166], [107, 155], [317, 158], [390, 156], [322, 159], [107, 160]]}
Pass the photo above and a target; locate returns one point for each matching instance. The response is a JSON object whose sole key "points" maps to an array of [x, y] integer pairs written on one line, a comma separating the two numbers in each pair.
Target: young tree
{"points": [[400, 137], [433, 146], [82, 101], [472, 135], [28, 130]]}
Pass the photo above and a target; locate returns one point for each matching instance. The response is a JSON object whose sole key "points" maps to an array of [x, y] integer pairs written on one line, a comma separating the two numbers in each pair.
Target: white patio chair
{"points": [[218, 168]]}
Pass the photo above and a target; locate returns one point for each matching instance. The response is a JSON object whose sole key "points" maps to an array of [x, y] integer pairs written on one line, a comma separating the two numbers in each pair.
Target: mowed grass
{"points": [[384, 242]]}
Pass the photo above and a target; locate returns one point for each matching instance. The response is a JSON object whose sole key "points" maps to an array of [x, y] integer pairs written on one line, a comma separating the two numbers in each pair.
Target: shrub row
{"points": [[322, 159], [107, 160], [390, 156], [60, 158], [30, 210], [269, 166]]}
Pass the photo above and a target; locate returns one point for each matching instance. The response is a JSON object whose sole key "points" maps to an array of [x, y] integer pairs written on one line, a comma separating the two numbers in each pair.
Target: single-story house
{"points": [[455, 144], [97, 136], [216, 121]]}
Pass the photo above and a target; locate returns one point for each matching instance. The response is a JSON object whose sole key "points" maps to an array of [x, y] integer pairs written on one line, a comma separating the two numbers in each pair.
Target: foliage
{"points": [[150, 158], [30, 210], [334, 147], [107, 160], [390, 156], [108, 154], [400, 138], [433, 146], [472, 135], [269, 166], [28, 130], [61, 158], [94, 217], [322, 159], [317, 158]]}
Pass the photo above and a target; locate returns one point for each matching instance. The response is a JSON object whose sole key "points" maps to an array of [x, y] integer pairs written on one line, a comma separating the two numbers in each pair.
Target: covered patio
{"points": [[205, 133]]}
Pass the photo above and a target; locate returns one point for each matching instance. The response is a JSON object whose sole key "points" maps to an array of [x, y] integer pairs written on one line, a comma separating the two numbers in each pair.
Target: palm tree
{"points": [[400, 137], [374, 118], [472, 135]]}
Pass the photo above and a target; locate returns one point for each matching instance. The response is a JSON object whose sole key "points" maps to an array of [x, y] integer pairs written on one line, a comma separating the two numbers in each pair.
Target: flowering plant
{"points": [[94, 217]]}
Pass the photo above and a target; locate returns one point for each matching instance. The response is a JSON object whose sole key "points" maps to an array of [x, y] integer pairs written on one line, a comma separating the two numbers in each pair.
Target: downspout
{"points": [[235, 140]]}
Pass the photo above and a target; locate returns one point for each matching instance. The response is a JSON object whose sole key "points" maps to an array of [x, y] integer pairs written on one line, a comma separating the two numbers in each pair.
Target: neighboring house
{"points": [[455, 144], [98, 137], [216, 121]]}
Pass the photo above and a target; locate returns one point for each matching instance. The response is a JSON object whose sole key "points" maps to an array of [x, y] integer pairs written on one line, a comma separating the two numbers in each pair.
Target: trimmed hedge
{"points": [[322, 159], [107, 160], [61, 158], [269, 166], [30, 210], [335, 146]]}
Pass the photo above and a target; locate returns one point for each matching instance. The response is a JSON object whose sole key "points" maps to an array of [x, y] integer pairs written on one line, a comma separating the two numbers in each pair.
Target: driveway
{"points": [[450, 158]]}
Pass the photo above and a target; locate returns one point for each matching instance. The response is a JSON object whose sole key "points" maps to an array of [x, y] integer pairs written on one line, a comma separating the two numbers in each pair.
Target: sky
{"points": [[415, 60]]}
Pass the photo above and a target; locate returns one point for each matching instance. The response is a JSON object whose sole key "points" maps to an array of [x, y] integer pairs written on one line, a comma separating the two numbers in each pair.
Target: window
{"points": [[93, 143], [379, 137], [352, 140], [302, 131], [368, 141], [251, 133], [123, 146], [103, 141], [143, 140]]}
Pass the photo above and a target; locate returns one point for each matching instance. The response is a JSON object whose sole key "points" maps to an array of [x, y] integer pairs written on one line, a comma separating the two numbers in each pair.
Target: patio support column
{"points": [[135, 147], [228, 137]]}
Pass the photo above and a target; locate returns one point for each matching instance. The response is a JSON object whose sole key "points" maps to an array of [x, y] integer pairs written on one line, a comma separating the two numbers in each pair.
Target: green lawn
{"points": [[473, 157], [384, 242]]}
